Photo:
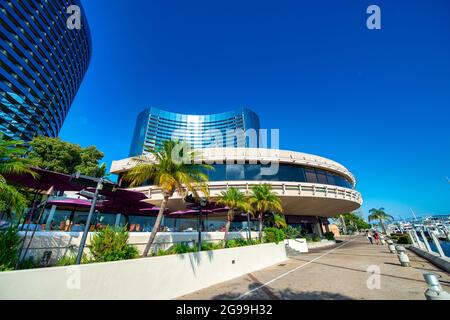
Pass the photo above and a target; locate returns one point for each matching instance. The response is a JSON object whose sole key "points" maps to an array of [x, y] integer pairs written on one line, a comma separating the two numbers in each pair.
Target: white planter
{"points": [[165, 277], [299, 245]]}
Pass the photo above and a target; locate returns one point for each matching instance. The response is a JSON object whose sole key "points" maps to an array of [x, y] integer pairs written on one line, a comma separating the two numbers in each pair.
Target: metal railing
{"points": [[281, 188], [421, 242]]}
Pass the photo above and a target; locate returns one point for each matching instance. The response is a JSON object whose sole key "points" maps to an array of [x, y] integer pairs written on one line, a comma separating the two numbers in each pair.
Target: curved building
{"points": [[311, 188], [154, 126], [42, 64], [308, 185]]}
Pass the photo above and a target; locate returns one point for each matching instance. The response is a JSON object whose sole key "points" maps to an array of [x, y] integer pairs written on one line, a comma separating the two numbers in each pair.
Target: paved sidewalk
{"points": [[338, 273]]}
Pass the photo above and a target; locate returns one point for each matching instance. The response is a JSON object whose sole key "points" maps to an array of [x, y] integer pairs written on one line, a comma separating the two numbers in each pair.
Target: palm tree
{"points": [[234, 200], [172, 169], [13, 161], [263, 199], [380, 215], [277, 221]]}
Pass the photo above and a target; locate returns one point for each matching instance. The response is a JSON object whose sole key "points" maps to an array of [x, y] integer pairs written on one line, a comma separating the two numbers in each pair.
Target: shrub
{"points": [[234, 243], [291, 232], [29, 263], [208, 246], [181, 248], [329, 236], [308, 238], [70, 260], [273, 235], [111, 244], [316, 238], [9, 248], [404, 239]]}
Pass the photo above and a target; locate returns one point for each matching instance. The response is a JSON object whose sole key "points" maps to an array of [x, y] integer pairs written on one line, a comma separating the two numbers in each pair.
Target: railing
{"points": [[423, 244], [281, 188]]}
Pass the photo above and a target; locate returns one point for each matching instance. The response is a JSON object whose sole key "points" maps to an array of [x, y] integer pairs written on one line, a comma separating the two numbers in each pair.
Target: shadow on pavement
{"points": [[286, 294]]}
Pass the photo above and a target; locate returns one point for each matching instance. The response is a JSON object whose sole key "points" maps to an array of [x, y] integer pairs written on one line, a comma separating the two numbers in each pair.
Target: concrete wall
{"points": [[63, 243], [321, 244], [434, 258], [299, 245], [165, 277]]}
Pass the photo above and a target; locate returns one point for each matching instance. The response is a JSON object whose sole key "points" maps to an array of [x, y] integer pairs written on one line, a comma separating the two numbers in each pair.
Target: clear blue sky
{"points": [[376, 101]]}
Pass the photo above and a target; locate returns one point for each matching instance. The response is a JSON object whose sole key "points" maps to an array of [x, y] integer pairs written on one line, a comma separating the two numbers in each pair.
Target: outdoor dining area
{"points": [[62, 203]]}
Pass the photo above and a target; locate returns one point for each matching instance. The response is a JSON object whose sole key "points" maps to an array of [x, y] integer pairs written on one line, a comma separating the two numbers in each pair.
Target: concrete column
{"points": [[319, 228], [50, 217], [118, 218]]}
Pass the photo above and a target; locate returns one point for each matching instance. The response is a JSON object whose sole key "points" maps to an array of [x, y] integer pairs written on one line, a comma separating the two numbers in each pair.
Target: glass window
{"points": [[253, 172], [219, 174], [330, 179], [235, 172], [321, 177], [311, 175]]}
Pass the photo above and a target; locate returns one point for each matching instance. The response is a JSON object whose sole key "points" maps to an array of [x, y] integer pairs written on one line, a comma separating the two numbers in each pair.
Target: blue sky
{"points": [[377, 101]]}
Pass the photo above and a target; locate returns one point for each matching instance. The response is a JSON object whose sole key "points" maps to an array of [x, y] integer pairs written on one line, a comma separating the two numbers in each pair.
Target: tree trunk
{"points": [[382, 226], [156, 226], [228, 224], [260, 226]]}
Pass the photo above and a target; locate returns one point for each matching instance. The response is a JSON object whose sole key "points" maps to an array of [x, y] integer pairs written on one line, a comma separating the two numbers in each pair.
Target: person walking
{"points": [[369, 236], [376, 236]]}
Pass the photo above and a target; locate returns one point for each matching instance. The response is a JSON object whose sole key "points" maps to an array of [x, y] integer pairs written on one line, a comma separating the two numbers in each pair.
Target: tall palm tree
{"points": [[380, 215], [234, 200], [263, 199], [13, 161], [172, 169]]}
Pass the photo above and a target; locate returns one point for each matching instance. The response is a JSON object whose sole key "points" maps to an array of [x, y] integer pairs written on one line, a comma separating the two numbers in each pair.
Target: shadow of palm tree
{"points": [[286, 294]]}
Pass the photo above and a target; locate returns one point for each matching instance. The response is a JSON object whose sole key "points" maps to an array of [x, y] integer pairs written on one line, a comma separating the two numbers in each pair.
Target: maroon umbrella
{"points": [[73, 203], [46, 180], [123, 201]]}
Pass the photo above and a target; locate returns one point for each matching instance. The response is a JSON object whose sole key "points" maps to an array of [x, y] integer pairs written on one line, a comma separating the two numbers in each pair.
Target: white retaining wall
{"points": [[165, 277], [321, 244], [299, 245]]}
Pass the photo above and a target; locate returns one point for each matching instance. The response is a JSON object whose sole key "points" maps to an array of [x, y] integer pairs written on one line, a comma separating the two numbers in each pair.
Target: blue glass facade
{"points": [[42, 64], [154, 126], [285, 173]]}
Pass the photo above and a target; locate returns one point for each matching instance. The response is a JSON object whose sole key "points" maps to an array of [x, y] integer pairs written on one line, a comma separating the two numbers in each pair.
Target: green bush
{"points": [[329, 236], [316, 238], [404, 239], [208, 246], [70, 260], [307, 237], [29, 263], [234, 243], [291, 232], [111, 244], [181, 248], [9, 249], [273, 235]]}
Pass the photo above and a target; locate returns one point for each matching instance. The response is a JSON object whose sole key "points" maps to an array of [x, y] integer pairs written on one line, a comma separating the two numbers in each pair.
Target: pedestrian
{"points": [[369, 236], [376, 236]]}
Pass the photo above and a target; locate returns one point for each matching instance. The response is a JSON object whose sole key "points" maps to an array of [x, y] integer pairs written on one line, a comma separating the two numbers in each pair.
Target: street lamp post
{"points": [[248, 227], [201, 204], [88, 222]]}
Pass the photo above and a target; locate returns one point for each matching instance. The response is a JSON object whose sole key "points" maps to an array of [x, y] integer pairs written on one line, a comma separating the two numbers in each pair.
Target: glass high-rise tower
{"points": [[154, 126], [42, 64]]}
